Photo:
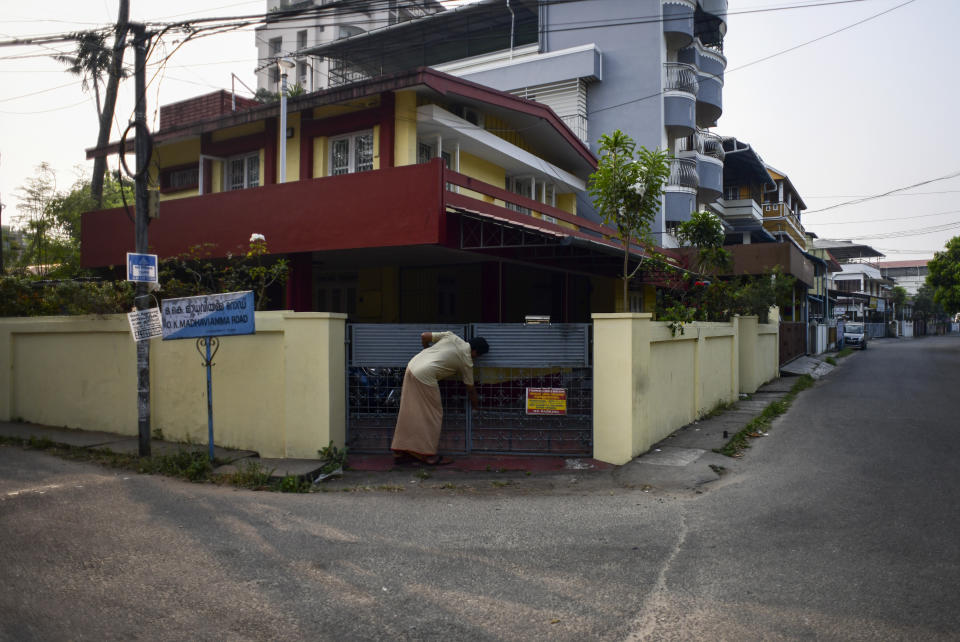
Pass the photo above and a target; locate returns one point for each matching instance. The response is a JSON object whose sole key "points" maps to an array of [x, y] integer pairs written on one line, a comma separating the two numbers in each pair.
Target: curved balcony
{"points": [[680, 77], [683, 174], [709, 65], [706, 149], [679, 101], [678, 206], [678, 22], [713, 145], [711, 21], [709, 101]]}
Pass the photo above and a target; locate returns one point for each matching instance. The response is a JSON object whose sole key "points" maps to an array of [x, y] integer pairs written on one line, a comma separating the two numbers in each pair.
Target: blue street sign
{"points": [[142, 268], [210, 315]]}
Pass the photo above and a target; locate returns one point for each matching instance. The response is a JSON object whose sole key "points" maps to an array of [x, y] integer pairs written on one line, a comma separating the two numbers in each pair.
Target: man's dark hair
{"points": [[480, 345]]}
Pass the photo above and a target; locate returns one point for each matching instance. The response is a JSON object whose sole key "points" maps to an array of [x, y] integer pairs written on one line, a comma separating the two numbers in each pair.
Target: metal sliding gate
{"points": [[535, 387]]}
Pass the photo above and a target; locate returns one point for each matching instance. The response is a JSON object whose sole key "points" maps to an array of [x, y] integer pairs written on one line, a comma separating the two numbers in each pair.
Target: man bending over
{"points": [[444, 354]]}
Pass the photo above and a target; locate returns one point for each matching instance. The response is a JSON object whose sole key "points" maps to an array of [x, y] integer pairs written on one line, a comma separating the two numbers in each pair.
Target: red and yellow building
{"points": [[409, 198]]}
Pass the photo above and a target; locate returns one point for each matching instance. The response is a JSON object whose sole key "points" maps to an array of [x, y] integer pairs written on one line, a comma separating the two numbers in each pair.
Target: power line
{"points": [[38, 92], [880, 220], [912, 232], [948, 191], [876, 196], [827, 35], [45, 111]]}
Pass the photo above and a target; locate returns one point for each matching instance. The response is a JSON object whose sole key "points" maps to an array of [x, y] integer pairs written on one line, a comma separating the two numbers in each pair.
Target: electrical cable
{"points": [[876, 196], [880, 220], [122, 152]]}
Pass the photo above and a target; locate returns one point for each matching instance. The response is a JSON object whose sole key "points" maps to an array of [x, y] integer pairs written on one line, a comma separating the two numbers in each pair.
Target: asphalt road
{"points": [[842, 524]]}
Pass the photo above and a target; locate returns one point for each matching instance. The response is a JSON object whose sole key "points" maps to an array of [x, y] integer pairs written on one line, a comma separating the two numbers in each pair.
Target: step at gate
{"points": [[535, 387]]}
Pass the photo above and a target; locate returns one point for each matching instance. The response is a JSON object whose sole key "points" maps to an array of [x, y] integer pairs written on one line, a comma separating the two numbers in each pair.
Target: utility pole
{"points": [[142, 202]]}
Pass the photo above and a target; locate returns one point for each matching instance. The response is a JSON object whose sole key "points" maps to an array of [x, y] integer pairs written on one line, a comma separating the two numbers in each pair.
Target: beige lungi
{"points": [[419, 419]]}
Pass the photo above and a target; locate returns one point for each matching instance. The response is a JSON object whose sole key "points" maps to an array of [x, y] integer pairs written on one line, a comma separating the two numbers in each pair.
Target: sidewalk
{"points": [[683, 461]]}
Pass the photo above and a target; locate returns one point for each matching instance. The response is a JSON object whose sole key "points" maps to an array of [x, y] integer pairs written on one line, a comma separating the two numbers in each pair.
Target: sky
{"points": [[851, 100]]}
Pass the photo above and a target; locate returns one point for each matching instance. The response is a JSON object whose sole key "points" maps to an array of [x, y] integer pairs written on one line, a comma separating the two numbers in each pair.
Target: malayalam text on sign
{"points": [[546, 401], [211, 315]]}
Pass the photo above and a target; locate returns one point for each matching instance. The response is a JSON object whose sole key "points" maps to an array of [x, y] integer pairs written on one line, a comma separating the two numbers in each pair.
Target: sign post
{"points": [[205, 318]]}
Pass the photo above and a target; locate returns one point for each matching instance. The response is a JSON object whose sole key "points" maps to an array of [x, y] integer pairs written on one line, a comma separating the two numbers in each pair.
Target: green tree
{"points": [[91, 60], [264, 96], [944, 276], [12, 247], [704, 231], [197, 272], [626, 190], [899, 297], [50, 220], [34, 219], [925, 305]]}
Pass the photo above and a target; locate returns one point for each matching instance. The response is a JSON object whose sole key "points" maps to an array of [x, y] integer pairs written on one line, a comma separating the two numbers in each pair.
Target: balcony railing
{"points": [[681, 77], [713, 145], [704, 143], [683, 173], [691, 143], [340, 74]]}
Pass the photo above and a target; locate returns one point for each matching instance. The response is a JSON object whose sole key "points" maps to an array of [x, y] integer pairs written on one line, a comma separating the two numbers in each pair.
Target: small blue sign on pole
{"points": [[142, 268]]}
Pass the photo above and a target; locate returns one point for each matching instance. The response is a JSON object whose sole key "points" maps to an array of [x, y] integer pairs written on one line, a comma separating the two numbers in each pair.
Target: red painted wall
{"points": [[388, 207]]}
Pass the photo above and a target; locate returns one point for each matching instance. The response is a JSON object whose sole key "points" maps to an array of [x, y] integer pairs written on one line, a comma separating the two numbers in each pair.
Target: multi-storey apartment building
{"points": [[294, 26], [651, 68], [908, 274]]}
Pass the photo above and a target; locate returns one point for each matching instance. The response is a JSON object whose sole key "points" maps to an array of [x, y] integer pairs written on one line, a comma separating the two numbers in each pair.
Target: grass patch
{"points": [[193, 466], [831, 361], [251, 474], [292, 484], [758, 426], [719, 409], [846, 352]]}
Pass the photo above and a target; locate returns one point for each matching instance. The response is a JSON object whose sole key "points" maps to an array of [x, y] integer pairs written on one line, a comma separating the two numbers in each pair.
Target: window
{"points": [[351, 153], [301, 40], [302, 74], [241, 172], [176, 179], [275, 44], [427, 151]]}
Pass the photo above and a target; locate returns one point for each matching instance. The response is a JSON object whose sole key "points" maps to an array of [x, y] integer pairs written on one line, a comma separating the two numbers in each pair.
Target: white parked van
{"points": [[855, 335]]}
